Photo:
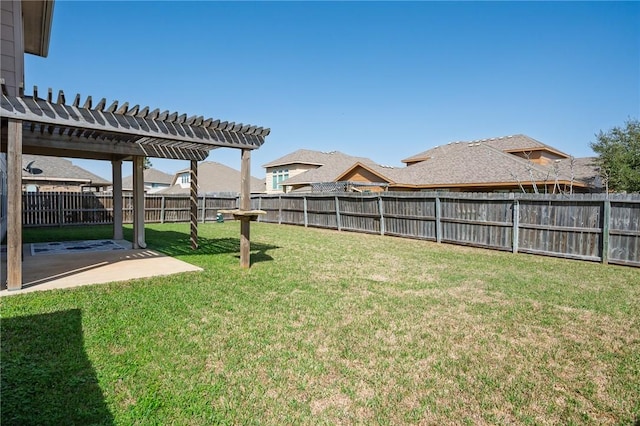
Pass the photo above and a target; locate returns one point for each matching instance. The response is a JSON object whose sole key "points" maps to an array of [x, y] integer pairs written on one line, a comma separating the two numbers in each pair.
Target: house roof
{"points": [[463, 163], [512, 143], [214, 177], [584, 169], [334, 164], [310, 157], [151, 175], [42, 168]]}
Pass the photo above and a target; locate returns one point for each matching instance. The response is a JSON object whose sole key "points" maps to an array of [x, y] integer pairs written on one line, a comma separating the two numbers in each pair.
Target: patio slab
{"points": [[54, 271]]}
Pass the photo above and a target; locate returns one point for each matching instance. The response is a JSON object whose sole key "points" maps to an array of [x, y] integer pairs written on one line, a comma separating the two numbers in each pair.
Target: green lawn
{"points": [[327, 328]]}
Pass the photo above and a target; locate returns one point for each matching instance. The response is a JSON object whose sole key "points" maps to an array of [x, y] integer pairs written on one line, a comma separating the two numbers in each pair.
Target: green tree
{"points": [[619, 156]]}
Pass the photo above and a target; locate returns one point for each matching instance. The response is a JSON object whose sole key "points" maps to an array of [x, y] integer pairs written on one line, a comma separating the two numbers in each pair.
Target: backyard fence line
{"points": [[594, 227]]}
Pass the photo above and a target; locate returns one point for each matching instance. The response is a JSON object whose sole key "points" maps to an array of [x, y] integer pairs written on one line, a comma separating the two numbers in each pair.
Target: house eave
{"points": [[37, 17]]}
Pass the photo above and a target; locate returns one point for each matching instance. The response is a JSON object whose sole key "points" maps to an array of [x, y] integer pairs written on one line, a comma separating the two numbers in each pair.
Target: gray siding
{"points": [[11, 48]]}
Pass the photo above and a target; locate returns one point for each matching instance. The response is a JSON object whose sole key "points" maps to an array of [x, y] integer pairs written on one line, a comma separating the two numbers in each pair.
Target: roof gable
{"points": [[357, 168]]}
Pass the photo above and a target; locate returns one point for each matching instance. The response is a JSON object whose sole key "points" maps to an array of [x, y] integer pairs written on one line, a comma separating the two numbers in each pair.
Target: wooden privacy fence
{"points": [[87, 208], [593, 227]]}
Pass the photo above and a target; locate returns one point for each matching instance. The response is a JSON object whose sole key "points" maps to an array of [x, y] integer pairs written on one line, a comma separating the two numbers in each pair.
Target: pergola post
{"points": [[14, 205], [245, 205], [138, 202], [193, 175], [116, 173]]}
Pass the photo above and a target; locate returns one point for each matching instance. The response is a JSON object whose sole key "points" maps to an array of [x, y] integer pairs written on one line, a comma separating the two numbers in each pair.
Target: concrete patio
{"points": [[56, 271]]}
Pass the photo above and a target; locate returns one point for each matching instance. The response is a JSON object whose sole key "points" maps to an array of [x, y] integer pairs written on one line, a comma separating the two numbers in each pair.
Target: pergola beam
{"points": [[245, 205], [138, 203], [116, 171]]}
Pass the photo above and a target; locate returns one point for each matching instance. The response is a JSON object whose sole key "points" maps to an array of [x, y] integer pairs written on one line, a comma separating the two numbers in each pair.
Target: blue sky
{"points": [[384, 80]]}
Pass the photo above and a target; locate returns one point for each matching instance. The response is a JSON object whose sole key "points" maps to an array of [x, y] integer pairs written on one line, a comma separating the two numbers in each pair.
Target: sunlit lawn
{"points": [[327, 328]]}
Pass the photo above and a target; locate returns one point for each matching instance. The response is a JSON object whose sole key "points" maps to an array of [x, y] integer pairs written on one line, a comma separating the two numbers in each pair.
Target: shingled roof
{"points": [[214, 177], [332, 164], [43, 168], [477, 163], [512, 143], [151, 175]]}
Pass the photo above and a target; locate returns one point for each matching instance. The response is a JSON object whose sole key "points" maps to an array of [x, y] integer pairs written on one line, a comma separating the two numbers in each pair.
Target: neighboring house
{"points": [[509, 163], [154, 181], [55, 174], [213, 178], [299, 170]]}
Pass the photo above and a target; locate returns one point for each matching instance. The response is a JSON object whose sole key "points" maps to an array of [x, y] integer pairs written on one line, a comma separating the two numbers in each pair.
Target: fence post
{"points": [[60, 209], [516, 226], [338, 220], [259, 205], [279, 209], [438, 223], [381, 210], [606, 219], [306, 217], [162, 207], [204, 207]]}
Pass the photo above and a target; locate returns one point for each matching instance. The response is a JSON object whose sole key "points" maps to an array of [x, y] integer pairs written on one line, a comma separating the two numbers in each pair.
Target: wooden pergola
{"points": [[115, 132]]}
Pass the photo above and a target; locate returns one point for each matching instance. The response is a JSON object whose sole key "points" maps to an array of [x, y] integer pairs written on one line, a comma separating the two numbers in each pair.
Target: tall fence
{"points": [[593, 227]]}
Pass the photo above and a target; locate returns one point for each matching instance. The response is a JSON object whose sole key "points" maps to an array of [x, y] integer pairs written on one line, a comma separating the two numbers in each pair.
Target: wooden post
{"points": [[515, 233], [138, 202], [259, 204], [116, 173], [279, 209], [14, 205], [245, 204], [438, 222], [162, 207], [338, 221], [306, 216], [381, 210], [60, 198], [204, 208], [193, 174], [606, 219]]}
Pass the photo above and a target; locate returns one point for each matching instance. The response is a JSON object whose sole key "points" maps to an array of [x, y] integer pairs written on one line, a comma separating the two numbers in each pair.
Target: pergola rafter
{"points": [[136, 130]]}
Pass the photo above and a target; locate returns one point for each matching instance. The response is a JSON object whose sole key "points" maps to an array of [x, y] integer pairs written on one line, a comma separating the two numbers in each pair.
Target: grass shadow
{"points": [[47, 378], [174, 243]]}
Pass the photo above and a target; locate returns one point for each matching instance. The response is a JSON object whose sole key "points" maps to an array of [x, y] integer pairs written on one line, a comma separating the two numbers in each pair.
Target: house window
{"points": [[185, 178], [278, 176]]}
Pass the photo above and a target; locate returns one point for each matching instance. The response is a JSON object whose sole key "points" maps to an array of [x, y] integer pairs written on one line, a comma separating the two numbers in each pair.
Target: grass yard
{"points": [[327, 328]]}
